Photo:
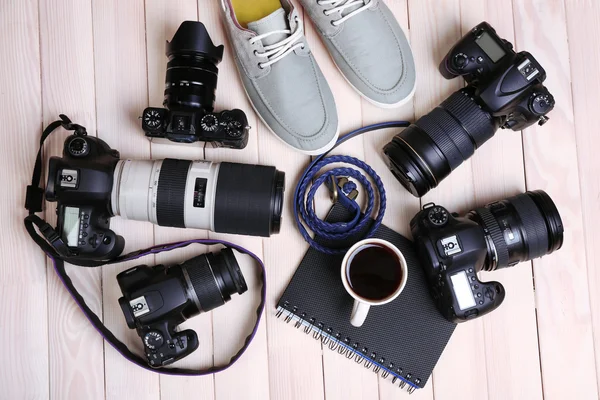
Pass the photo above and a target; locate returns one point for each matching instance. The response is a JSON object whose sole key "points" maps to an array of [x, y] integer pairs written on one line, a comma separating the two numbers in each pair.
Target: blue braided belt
{"points": [[304, 211]]}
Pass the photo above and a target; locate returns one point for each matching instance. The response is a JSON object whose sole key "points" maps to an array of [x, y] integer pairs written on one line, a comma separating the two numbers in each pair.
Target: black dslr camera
{"points": [[504, 90], [91, 184], [190, 95], [82, 184], [453, 250], [157, 299]]}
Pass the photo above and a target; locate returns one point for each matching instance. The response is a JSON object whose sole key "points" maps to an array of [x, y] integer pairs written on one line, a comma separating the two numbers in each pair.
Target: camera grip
{"points": [[487, 295]]}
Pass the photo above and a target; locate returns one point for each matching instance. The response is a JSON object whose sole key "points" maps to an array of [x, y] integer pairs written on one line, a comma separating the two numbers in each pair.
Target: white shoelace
{"points": [[341, 5], [277, 51]]}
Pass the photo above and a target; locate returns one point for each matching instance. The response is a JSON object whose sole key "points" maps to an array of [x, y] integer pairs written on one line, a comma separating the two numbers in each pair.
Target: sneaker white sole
{"points": [[376, 103]]}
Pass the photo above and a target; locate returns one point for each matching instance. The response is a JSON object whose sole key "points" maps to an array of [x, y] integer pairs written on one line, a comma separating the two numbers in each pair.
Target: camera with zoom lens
{"points": [[157, 299], [190, 88], [452, 250], [92, 184], [504, 90]]}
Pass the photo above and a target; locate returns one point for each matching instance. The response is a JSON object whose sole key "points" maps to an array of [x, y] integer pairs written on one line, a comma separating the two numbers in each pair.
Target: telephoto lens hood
{"points": [[192, 37]]}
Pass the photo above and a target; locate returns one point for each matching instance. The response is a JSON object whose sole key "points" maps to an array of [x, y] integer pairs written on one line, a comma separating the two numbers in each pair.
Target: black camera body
{"points": [[224, 129], [81, 182], [504, 90], [191, 83], [156, 303], [507, 84], [158, 299], [452, 251]]}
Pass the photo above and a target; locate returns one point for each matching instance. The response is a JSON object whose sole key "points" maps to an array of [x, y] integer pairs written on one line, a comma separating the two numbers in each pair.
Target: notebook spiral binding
{"points": [[345, 347]]}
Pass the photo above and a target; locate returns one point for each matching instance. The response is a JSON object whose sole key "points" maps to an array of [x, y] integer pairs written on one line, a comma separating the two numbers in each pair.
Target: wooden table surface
{"points": [[102, 62]]}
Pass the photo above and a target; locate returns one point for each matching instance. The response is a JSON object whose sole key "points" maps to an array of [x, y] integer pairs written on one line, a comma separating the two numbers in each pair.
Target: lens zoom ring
{"points": [[439, 135], [205, 285], [477, 122], [170, 196], [495, 232], [533, 224]]}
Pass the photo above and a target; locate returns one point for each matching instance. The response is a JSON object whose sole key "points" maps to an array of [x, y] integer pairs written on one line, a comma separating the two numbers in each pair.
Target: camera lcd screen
{"points": [[462, 289], [493, 50], [71, 226]]}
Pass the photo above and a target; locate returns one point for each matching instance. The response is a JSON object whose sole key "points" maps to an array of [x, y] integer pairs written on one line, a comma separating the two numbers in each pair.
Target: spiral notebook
{"points": [[402, 340]]}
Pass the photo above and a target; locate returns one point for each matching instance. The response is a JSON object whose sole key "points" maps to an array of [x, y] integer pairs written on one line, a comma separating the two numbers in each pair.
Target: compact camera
{"points": [[91, 184], [191, 83], [452, 250], [504, 90], [157, 299]]}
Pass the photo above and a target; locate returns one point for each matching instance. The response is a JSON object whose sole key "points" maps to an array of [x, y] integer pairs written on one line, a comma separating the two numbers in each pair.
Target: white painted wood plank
{"points": [[165, 18], [435, 28], [295, 359], [511, 354], [562, 295], [68, 87], [23, 285], [401, 205], [249, 378], [583, 22], [121, 95]]}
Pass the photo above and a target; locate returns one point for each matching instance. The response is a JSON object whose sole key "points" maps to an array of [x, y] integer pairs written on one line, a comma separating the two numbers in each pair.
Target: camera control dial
{"points": [[78, 147], [153, 340], [438, 216], [209, 123], [460, 61], [153, 119], [234, 128], [542, 103]]}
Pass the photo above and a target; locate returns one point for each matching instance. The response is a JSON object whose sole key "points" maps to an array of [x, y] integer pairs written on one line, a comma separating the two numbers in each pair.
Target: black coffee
{"points": [[375, 272]]}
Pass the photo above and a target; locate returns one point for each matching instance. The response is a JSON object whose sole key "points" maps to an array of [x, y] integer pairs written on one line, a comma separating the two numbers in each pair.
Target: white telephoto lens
{"points": [[183, 195]]}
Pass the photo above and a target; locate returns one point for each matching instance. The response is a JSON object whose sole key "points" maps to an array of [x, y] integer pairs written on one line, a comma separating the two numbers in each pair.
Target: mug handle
{"points": [[359, 313]]}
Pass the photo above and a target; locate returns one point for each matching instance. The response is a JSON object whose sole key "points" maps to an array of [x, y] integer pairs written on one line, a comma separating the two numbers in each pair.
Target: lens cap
{"points": [[192, 37]]}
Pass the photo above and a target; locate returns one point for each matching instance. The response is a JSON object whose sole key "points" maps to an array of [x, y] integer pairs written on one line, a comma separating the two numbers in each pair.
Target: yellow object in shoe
{"points": [[252, 10]]}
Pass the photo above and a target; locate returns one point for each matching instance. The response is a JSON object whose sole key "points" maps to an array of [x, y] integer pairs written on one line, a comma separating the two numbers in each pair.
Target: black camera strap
{"points": [[55, 248]]}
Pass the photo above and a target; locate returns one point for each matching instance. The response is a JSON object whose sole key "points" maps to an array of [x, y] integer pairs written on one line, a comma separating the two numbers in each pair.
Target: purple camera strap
{"points": [[51, 243]]}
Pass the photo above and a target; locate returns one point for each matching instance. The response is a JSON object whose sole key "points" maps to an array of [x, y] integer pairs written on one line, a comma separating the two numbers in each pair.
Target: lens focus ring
{"points": [[204, 284], [491, 225], [534, 225], [477, 122]]}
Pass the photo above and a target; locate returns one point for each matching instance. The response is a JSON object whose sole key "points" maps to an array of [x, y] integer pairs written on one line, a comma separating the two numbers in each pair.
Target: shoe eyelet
{"points": [[256, 53], [333, 23], [260, 66]]}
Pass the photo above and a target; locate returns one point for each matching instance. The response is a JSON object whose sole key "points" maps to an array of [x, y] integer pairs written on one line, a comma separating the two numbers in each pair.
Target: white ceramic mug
{"points": [[361, 304]]}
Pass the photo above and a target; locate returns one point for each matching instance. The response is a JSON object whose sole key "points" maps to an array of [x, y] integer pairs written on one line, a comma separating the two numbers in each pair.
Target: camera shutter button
{"points": [[153, 340]]}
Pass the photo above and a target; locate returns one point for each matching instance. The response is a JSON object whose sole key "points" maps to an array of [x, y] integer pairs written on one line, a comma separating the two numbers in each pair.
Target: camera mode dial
{"points": [[542, 103], [153, 340], [234, 128], [209, 123], [78, 147], [438, 216]]}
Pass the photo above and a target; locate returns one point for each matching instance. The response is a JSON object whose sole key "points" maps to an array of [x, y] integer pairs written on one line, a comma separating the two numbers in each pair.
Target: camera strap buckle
{"points": [[70, 126], [54, 239], [34, 198], [341, 185]]}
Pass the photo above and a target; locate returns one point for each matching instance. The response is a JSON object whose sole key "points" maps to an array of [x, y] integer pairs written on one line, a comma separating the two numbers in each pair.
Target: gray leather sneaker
{"points": [[282, 79], [368, 46]]}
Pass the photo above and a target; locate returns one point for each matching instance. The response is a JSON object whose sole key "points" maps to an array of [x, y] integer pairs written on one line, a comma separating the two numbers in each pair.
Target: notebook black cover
{"points": [[404, 338]]}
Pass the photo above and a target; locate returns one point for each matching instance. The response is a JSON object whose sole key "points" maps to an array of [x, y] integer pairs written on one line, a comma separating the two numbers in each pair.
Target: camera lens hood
{"points": [[192, 37]]}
